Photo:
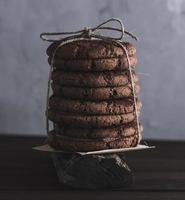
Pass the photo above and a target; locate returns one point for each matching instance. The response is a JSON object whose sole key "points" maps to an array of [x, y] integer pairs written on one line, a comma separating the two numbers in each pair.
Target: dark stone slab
{"points": [[93, 171]]}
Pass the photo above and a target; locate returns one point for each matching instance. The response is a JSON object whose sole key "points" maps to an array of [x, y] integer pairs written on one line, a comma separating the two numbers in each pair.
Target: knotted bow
{"points": [[90, 32]]}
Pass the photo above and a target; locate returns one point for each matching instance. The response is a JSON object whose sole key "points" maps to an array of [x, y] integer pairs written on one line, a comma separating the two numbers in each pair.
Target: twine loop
{"points": [[89, 33]]}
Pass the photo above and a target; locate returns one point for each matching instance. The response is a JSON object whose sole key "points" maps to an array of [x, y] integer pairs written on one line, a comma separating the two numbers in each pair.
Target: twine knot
{"points": [[87, 32]]}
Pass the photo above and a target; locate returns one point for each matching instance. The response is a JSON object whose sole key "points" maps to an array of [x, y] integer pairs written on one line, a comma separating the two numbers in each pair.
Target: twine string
{"points": [[133, 90], [89, 34], [49, 78]]}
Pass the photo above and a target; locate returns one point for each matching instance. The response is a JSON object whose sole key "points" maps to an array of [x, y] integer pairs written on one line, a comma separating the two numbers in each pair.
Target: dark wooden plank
{"points": [[90, 195], [21, 168]]}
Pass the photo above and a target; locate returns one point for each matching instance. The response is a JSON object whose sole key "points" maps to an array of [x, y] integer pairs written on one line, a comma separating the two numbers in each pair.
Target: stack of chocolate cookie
{"points": [[92, 104]]}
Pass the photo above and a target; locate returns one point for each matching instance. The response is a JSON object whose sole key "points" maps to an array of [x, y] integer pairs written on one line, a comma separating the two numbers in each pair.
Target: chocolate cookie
{"points": [[93, 108], [126, 130], [90, 49], [103, 64], [92, 79], [96, 121], [85, 145], [103, 93]]}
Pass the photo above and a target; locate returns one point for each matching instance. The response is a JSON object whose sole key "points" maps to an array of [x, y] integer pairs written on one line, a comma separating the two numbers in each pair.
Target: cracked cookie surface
{"points": [[102, 93], [88, 121], [93, 107], [85, 145], [94, 65], [92, 79], [125, 130], [90, 49]]}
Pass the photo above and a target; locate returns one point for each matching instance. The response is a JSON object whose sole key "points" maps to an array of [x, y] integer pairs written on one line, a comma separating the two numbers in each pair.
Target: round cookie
{"points": [[92, 79], [90, 49], [84, 145], [94, 65], [93, 107], [103, 93], [88, 121], [126, 130]]}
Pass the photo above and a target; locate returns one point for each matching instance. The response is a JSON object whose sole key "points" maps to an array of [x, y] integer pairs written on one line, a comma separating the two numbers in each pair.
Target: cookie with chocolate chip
{"points": [[119, 106], [84, 145], [125, 130], [102, 93], [88, 121], [95, 65], [92, 55], [92, 79], [90, 49]]}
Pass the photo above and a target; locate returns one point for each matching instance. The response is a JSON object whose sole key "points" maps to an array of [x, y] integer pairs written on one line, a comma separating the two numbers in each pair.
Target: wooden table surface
{"points": [[28, 174]]}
